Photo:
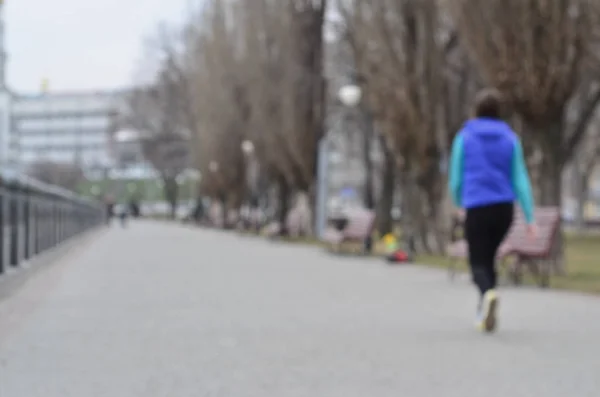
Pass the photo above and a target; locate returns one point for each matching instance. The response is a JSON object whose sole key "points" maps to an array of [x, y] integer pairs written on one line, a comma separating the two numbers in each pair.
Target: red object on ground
{"points": [[399, 256]]}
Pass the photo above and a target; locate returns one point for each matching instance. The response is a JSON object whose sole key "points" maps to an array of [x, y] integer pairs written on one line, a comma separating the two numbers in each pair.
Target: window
{"points": [[71, 122]]}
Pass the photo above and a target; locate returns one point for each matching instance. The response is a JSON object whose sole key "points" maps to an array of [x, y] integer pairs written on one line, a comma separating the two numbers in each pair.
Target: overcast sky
{"points": [[80, 44]]}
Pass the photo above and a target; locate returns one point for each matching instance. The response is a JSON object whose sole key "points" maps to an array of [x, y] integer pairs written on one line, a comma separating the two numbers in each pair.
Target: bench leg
{"points": [[515, 271], [368, 245], [502, 269], [511, 270], [540, 271], [544, 274]]}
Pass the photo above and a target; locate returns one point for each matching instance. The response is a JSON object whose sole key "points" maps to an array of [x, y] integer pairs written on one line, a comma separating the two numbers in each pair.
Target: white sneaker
{"points": [[479, 323], [486, 320]]}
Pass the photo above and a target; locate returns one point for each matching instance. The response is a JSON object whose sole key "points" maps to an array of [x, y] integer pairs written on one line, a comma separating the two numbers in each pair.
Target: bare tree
{"points": [[268, 42], [217, 100], [536, 52], [169, 154], [583, 164], [261, 62], [359, 125], [65, 175], [403, 56], [157, 113]]}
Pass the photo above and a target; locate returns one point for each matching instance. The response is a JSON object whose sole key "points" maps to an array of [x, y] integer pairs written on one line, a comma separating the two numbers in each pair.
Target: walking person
{"points": [[123, 216], [487, 175], [110, 209]]}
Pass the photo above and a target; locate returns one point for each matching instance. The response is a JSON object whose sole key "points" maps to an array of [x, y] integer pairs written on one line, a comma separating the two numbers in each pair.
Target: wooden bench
{"points": [[358, 228], [533, 253]]}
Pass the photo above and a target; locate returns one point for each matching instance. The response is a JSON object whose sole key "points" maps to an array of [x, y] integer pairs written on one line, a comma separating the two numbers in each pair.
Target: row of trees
{"points": [[242, 72], [262, 71], [66, 175]]}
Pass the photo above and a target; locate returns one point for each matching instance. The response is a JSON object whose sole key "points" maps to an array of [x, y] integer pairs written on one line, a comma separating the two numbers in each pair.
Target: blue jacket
{"points": [[487, 167]]}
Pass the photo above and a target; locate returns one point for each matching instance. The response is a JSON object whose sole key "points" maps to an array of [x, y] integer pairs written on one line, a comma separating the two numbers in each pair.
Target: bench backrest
{"points": [[360, 225], [547, 221]]}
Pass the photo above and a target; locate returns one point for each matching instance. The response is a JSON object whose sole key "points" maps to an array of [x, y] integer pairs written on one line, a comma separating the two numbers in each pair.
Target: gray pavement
{"points": [[161, 310]]}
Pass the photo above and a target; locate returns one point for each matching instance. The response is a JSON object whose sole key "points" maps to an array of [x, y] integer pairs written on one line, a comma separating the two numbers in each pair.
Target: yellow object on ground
{"points": [[391, 242]]}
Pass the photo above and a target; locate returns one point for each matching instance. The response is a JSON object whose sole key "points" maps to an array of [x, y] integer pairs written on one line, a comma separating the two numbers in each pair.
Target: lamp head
{"points": [[350, 95], [248, 147]]}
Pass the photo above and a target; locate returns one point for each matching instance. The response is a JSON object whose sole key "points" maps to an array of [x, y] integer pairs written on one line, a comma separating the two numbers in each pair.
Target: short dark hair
{"points": [[490, 103]]}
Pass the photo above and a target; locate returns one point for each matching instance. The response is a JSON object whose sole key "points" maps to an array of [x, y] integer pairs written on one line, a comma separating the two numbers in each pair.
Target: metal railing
{"points": [[35, 217]]}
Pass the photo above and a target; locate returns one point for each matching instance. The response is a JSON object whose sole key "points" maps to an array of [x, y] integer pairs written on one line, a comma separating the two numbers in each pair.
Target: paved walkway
{"points": [[165, 311]]}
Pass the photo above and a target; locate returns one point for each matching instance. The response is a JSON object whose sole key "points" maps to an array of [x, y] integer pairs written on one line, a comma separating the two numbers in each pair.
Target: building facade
{"points": [[128, 157], [67, 128], [8, 141], [9, 156]]}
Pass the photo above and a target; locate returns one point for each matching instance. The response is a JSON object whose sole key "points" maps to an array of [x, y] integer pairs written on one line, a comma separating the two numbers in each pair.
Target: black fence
{"points": [[35, 217]]}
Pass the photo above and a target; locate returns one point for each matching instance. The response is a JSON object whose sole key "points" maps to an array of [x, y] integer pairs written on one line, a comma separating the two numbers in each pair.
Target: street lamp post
{"points": [[195, 177], [195, 200], [322, 186], [350, 95], [214, 167], [251, 176]]}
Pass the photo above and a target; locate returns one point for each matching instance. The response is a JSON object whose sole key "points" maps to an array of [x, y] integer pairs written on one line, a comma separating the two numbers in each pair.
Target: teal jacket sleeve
{"points": [[456, 170], [521, 183]]}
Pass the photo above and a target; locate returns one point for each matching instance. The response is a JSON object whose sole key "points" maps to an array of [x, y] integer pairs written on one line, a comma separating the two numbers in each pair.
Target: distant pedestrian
{"points": [[198, 213], [110, 209], [123, 215], [487, 174], [134, 208]]}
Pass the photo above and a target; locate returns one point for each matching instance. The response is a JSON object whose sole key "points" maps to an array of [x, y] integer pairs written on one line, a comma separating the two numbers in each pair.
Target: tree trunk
{"points": [[582, 198], [385, 222], [424, 235], [369, 188], [171, 192], [419, 220], [433, 188], [284, 193], [223, 204], [550, 178], [410, 212], [550, 182], [580, 180], [437, 222], [312, 202], [303, 208]]}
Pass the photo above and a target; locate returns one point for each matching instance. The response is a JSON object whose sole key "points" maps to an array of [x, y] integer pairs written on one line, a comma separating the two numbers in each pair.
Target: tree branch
{"points": [[581, 125]]}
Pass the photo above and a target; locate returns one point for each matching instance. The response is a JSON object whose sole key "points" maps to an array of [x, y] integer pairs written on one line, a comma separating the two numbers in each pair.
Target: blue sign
{"points": [[348, 192]]}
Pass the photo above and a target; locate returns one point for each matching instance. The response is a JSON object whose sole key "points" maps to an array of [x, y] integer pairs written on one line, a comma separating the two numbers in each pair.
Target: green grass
{"points": [[582, 261], [582, 264]]}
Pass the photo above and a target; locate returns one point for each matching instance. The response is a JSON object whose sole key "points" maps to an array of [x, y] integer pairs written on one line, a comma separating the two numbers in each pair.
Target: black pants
{"points": [[485, 228]]}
